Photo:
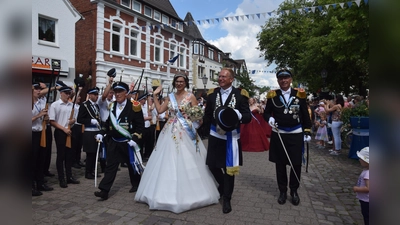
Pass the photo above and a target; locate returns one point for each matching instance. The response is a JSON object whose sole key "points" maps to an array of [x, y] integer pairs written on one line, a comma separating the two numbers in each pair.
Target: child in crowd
{"points": [[319, 109], [322, 132], [362, 188]]}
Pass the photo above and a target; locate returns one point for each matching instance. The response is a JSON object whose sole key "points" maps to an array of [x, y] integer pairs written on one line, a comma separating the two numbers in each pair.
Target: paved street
{"points": [[325, 191]]}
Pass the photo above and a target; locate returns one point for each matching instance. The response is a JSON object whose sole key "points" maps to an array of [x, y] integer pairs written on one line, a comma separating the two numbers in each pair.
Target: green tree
{"points": [[336, 40]]}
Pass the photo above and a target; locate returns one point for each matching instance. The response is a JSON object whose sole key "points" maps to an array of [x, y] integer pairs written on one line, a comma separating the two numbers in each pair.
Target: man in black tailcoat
{"points": [[124, 125], [226, 108], [286, 112]]}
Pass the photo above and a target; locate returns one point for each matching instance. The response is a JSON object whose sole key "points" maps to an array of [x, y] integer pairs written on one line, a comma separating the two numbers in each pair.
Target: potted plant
{"points": [[357, 117]]}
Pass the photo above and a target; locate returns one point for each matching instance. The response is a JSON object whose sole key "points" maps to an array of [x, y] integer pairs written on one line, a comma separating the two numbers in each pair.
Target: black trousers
{"points": [[77, 142], [64, 155], [90, 162], [118, 152], [225, 181], [37, 160], [282, 179], [365, 211], [149, 137], [48, 149]]}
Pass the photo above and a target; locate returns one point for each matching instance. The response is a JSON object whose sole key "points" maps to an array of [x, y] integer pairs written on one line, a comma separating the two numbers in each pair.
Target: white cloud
{"points": [[240, 39]]}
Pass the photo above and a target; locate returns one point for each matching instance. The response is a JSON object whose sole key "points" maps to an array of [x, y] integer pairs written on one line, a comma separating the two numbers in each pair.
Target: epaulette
{"points": [[244, 93], [210, 91], [136, 107], [271, 94], [301, 93]]}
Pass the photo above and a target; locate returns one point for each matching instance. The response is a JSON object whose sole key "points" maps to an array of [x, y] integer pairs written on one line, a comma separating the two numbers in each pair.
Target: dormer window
{"points": [[148, 11]]}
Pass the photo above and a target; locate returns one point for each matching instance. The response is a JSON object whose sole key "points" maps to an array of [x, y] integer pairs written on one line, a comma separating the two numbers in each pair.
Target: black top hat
{"points": [[226, 118], [79, 81], [94, 90], [112, 73], [121, 86], [65, 88], [144, 96]]}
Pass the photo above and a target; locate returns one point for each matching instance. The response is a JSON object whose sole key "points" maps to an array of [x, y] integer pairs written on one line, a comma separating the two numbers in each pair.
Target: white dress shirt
{"points": [[286, 94], [225, 93], [120, 107]]}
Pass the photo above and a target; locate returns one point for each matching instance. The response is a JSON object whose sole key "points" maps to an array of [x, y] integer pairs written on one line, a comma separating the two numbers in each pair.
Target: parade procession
{"points": [[138, 119]]}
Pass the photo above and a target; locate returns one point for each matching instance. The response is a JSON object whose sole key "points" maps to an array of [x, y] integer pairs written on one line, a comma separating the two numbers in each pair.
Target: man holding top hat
{"points": [[287, 113], [124, 127], [226, 108], [89, 115]]}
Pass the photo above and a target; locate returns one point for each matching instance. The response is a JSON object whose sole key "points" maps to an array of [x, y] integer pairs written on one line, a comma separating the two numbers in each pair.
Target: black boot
{"points": [[282, 198], [101, 194], [295, 197], [72, 180], [226, 206]]}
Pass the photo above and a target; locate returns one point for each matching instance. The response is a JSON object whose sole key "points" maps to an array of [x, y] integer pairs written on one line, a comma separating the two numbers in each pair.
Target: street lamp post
{"points": [[204, 79]]}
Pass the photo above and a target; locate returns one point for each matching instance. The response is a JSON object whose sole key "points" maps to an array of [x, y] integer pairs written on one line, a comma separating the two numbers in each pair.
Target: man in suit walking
{"points": [[224, 162], [124, 125], [287, 113]]}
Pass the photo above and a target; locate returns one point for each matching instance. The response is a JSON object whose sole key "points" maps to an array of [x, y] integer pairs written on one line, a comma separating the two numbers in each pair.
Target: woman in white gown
{"points": [[176, 177]]}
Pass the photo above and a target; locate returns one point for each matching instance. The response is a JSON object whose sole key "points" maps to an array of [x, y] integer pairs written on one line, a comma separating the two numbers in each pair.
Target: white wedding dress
{"points": [[176, 177]]}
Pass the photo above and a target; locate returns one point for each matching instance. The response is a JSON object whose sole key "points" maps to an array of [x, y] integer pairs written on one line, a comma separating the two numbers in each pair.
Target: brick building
{"points": [[131, 36]]}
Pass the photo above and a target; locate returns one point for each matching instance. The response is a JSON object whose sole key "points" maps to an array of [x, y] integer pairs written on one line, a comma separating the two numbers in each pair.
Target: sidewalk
{"points": [[325, 192]]}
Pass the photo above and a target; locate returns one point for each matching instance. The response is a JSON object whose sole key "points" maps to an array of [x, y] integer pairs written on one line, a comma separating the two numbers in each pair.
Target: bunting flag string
{"points": [[239, 18]]}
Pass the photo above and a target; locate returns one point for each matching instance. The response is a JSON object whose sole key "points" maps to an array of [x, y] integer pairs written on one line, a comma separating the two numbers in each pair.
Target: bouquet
{"points": [[194, 112]]}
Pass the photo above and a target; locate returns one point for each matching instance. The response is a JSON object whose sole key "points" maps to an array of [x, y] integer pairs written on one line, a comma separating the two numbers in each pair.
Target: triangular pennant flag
{"points": [[320, 8], [231, 17], [252, 16], [258, 15], [227, 19], [151, 27], [357, 2], [158, 26], [212, 21], [327, 7], [162, 26], [217, 20], [252, 72], [199, 22], [334, 5], [366, 1], [208, 21], [237, 18], [204, 21], [294, 11], [144, 28], [349, 4], [313, 9], [287, 12], [264, 14], [300, 11], [306, 10], [341, 5], [186, 23], [247, 16], [242, 17]]}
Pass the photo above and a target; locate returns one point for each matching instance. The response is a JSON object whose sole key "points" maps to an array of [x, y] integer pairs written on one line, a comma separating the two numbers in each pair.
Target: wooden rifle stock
{"points": [[68, 141], [43, 134]]}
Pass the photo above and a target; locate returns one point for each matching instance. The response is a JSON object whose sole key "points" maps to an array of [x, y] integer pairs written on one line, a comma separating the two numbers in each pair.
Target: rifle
{"points": [[43, 134], [79, 83], [140, 81]]}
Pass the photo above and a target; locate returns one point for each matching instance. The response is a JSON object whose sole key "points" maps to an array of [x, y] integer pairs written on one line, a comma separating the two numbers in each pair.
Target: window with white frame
{"points": [[126, 3], [180, 26], [212, 74], [172, 50], [196, 48], [173, 23], [157, 15], [219, 57], [200, 71], [134, 43], [148, 11], [157, 50], [47, 29], [182, 57], [201, 49], [165, 19], [211, 54], [137, 6], [116, 38]]}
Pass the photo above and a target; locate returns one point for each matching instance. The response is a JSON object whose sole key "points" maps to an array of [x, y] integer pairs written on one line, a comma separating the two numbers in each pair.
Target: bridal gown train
{"points": [[176, 177]]}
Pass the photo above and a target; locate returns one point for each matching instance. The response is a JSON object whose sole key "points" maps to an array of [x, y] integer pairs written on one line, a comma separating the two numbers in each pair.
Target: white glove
{"points": [[94, 122], [271, 122], [131, 143], [99, 137], [238, 114], [307, 138]]}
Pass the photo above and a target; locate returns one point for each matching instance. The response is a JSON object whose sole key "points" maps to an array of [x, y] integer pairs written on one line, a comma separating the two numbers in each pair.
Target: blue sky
{"points": [[236, 37]]}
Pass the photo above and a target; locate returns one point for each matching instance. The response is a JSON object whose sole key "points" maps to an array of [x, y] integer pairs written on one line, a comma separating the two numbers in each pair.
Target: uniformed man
{"points": [[89, 116], [59, 114], [124, 126], [286, 112]]}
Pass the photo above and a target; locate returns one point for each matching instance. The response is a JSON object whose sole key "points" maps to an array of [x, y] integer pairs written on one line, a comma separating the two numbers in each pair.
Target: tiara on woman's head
{"points": [[180, 75]]}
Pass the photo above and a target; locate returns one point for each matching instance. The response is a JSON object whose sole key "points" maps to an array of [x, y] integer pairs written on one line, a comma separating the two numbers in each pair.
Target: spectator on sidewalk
{"points": [[362, 187]]}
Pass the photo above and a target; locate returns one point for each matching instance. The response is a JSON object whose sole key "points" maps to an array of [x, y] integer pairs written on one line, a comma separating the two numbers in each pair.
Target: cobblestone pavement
{"points": [[325, 192]]}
